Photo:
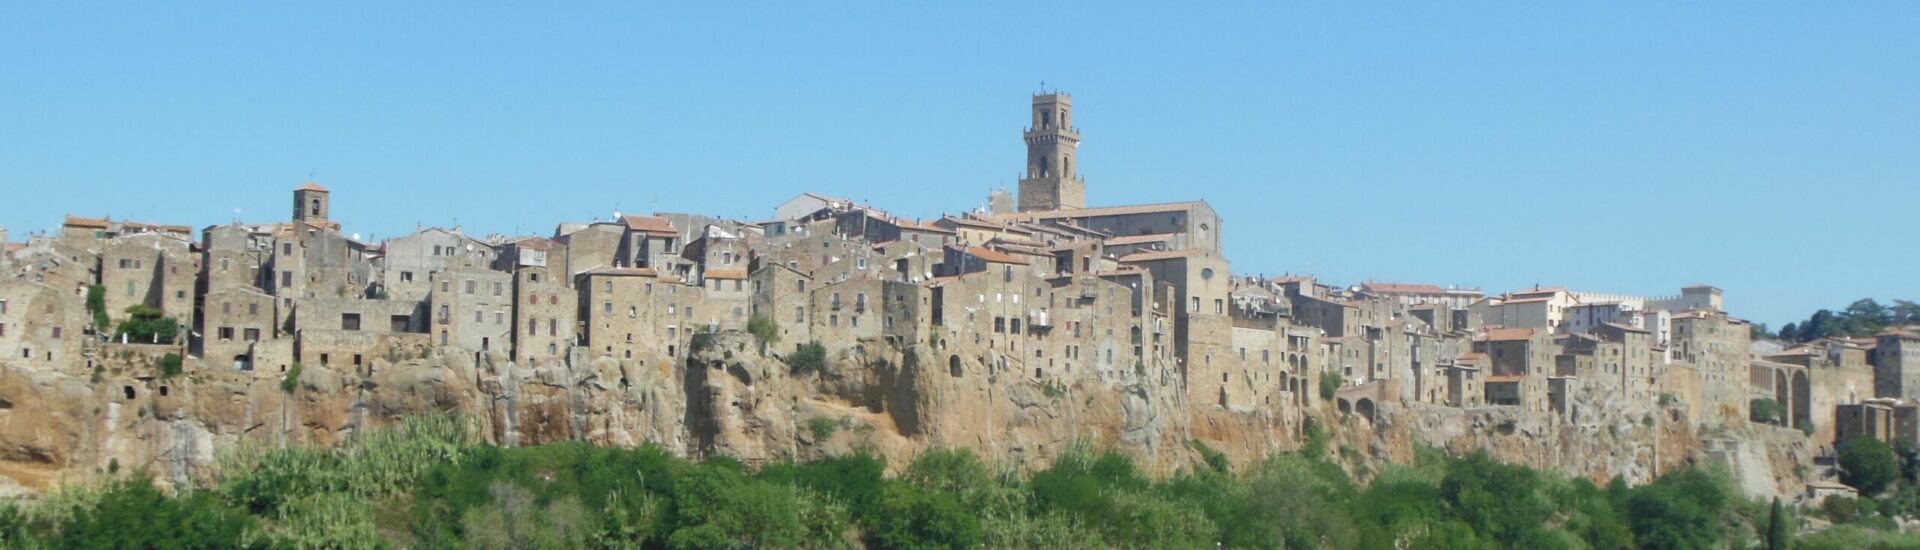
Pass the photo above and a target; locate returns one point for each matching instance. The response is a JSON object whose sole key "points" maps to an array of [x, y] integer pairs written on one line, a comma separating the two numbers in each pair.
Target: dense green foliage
{"points": [[291, 381], [762, 327], [428, 484], [148, 325], [811, 357], [97, 305], [1864, 317], [1764, 410], [170, 365], [1868, 464], [1329, 384]]}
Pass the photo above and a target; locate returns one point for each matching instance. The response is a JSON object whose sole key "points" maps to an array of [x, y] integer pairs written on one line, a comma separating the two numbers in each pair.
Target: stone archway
{"points": [[1346, 407], [1783, 395], [1365, 407], [1802, 410]]}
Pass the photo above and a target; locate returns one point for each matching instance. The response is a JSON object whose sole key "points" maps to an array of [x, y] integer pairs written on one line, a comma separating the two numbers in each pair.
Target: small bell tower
{"points": [[310, 203], [1052, 179]]}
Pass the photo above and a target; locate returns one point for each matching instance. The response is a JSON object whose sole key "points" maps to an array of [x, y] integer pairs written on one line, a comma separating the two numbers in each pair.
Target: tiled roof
{"points": [[1138, 239], [625, 272], [650, 224], [1508, 334], [1528, 300], [97, 223], [311, 186], [1403, 288], [726, 274], [994, 256], [1159, 255], [1108, 211], [1625, 327], [1504, 378]]}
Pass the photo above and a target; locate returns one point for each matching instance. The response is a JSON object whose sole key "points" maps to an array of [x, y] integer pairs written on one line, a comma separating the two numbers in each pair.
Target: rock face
{"points": [[730, 397]]}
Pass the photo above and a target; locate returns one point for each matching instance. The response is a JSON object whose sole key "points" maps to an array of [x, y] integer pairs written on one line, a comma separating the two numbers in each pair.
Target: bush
{"points": [[1763, 411], [170, 365], [811, 357], [97, 305], [291, 381], [1867, 464], [1329, 384], [762, 327], [822, 427], [148, 325]]}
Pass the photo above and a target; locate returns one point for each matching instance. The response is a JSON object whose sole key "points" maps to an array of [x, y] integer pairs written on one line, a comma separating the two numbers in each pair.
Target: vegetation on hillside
{"points": [[1864, 317], [427, 483]]}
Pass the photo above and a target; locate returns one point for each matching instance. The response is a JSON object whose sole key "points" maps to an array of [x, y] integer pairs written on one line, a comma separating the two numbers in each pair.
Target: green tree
{"points": [[133, 514], [1329, 384], [1867, 464], [148, 325], [1779, 531], [170, 365], [811, 357]]}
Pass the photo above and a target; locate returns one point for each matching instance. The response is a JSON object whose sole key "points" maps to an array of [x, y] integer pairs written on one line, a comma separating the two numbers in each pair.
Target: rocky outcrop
{"points": [[731, 397]]}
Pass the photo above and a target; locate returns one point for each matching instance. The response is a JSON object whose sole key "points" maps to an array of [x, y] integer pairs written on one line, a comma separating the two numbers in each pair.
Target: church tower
{"points": [[310, 203], [1051, 181]]}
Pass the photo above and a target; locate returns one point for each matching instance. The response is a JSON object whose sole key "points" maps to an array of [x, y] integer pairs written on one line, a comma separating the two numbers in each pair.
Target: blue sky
{"points": [[1772, 149]]}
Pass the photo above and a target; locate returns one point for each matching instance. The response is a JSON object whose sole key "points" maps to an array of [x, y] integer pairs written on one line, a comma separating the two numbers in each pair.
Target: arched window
{"points": [[1042, 172], [316, 207], [1046, 120]]}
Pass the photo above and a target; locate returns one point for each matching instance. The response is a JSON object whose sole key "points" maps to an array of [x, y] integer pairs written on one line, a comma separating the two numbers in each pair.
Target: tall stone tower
{"points": [[1051, 182], [310, 203]]}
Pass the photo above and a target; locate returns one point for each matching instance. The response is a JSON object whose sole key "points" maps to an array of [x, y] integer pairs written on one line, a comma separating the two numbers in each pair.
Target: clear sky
{"points": [[1772, 149]]}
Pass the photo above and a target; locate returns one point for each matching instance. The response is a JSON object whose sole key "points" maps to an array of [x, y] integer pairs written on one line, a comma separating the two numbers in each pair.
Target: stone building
{"points": [[238, 329], [1896, 364], [473, 309], [409, 262], [149, 269]]}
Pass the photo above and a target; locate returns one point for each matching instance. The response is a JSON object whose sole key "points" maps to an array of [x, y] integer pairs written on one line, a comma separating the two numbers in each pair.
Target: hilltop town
{"points": [[1015, 329]]}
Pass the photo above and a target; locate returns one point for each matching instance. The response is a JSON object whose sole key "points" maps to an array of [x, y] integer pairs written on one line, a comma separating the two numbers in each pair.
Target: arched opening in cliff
{"points": [[242, 362], [1365, 407], [1346, 407], [127, 391], [953, 365]]}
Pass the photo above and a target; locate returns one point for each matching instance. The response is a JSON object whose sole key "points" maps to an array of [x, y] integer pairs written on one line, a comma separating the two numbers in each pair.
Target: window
{"points": [[607, 308], [253, 309], [226, 308], [470, 286], [498, 287], [800, 285], [608, 287], [553, 327], [1219, 306], [406, 276], [253, 335], [349, 321], [799, 315], [1194, 307], [56, 333], [533, 326], [476, 316], [224, 264]]}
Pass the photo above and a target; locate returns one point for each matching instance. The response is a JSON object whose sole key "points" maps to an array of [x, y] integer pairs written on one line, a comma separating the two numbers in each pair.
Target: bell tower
{"points": [[310, 203], [1052, 180]]}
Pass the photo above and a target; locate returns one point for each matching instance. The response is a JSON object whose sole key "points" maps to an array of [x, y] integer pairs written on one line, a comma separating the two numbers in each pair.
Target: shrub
{"points": [[1329, 384], [811, 357], [762, 327], [822, 427], [97, 304], [1763, 411], [170, 365], [291, 381]]}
